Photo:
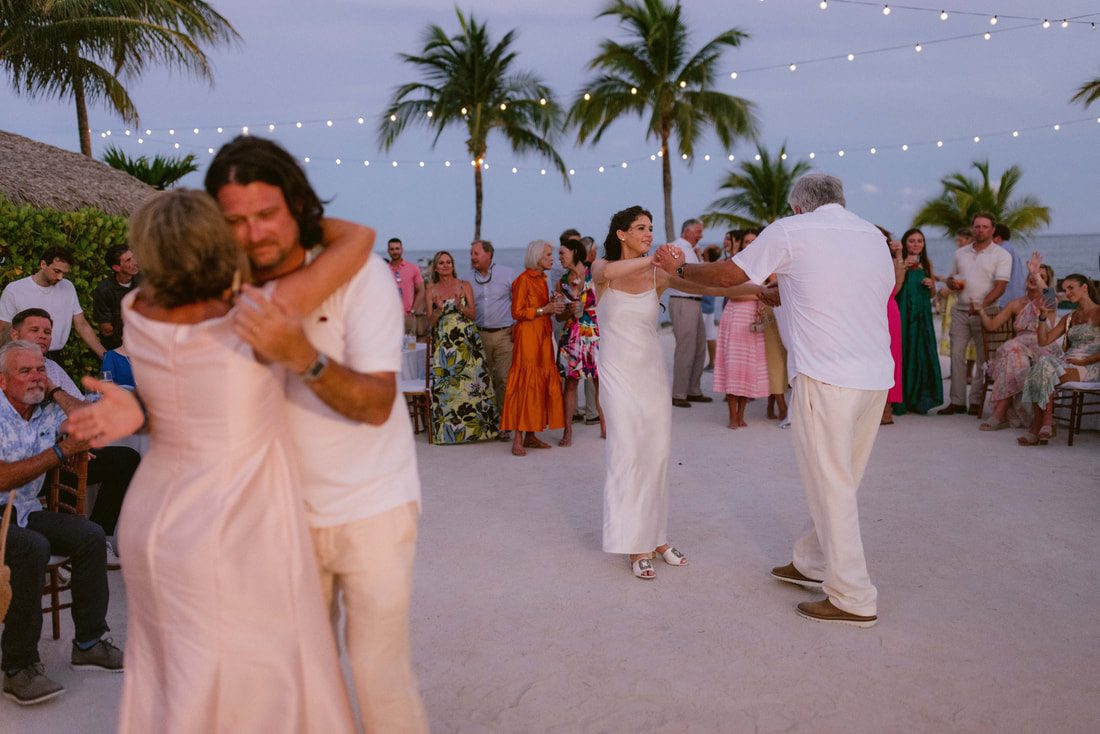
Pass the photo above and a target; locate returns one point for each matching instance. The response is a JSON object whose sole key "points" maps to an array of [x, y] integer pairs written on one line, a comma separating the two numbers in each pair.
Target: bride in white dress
{"points": [[635, 392]]}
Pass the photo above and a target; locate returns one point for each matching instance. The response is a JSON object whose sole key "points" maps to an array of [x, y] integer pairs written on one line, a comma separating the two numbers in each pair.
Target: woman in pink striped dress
{"points": [[741, 363]]}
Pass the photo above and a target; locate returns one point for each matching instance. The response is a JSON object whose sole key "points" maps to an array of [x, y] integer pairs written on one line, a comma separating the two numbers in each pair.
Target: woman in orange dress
{"points": [[532, 401]]}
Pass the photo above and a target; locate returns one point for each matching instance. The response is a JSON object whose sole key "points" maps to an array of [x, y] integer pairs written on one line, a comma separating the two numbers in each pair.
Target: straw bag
{"points": [[5, 572]]}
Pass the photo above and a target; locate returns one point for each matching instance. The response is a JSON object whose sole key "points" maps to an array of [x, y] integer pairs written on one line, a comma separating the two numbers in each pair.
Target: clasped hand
{"points": [[668, 258]]}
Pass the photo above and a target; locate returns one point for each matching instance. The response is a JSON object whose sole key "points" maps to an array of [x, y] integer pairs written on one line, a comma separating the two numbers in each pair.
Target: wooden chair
{"points": [[418, 395], [992, 341], [1078, 399], [71, 499]]}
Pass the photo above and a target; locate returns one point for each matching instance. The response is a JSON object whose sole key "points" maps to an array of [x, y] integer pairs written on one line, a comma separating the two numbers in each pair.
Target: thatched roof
{"points": [[51, 178]]}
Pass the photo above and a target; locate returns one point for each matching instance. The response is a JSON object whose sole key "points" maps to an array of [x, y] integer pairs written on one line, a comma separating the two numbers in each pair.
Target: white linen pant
{"points": [[833, 429], [370, 561]]}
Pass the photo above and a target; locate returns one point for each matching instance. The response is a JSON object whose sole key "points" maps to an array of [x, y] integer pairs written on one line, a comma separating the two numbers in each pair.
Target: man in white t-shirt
{"points": [[357, 459], [686, 312], [835, 276], [47, 289]]}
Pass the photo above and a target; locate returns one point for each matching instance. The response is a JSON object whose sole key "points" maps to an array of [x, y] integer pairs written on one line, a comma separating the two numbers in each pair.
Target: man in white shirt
{"points": [[492, 288], [357, 459], [838, 353], [686, 312], [48, 289], [979, 273]]}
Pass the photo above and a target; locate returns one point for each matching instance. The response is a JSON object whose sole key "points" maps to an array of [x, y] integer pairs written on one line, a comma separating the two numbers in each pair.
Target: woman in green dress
{"points": [[463, 405], [922, 383]]}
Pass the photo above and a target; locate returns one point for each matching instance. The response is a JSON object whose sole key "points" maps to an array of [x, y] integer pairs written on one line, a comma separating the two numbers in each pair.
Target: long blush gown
{"points": [[637, 406], [227, 627]]}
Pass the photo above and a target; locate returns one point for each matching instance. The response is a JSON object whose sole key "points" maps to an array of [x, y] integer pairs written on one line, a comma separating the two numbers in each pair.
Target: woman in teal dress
{"points": [[463, 405], [922, 383]]}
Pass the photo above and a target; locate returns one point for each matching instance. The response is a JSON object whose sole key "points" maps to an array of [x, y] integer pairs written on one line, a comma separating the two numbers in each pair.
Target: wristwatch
{"points": [[316, 368], [680, 271]]}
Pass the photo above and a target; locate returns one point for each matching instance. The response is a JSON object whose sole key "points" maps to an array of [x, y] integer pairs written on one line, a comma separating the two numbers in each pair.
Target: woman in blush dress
{"points": [[1014, 358], [922, 382], [463, 406], [580, 336], [228, 631], [532, 401], [635, 391]]}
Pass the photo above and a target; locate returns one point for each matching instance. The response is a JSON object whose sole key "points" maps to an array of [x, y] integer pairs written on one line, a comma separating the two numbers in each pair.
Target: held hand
{"points": [[769, 296], [272, 331], [668, 258], [115, 415], [912, 261], [555, 307], [928, 283], [973, 308]]}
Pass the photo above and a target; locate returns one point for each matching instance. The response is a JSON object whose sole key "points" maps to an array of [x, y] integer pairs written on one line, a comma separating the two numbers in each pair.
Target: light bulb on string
{"points": [[329, 123], [141, 140], [813, 155], [1015, 133], [338, 162], [756, 157], [177, 146], [1065, 23], [851, 57], [393, 118], [633, 90], [298, 125], [306, 159], [587, 96], [977, 139], [993, 20], [943, 15], [244, 130], [987, 36], [196, 131], [543, 171], [731, 156], [429, 114], [171, 132], [918, 48], [733, 75], [624, 162], [905, 147], [503, 106], [270, 128], [706, 158], [395, 164], [447, 164], [840, 153], [823, 4], [515, 170], [464, 110], [128, 132], [360, 120], [572, 171], [683, 84], [601, 169], [150, 132], [366, 164], [653, 158], [542, 101], [684, 156], [873, 151], [1046, 23], [939, 143], [1057, 127], [886, 10], [421, 164]]}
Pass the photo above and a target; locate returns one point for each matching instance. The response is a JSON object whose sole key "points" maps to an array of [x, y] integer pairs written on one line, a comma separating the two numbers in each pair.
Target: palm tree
{"points": [[963, 197], [160, 174], [1088, 93], [758, 192], [83, 49], [655, 72], [468, 82]]}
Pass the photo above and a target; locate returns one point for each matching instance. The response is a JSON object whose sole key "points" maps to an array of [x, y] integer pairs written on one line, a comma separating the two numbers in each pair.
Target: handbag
{"points": [[5, 572]]}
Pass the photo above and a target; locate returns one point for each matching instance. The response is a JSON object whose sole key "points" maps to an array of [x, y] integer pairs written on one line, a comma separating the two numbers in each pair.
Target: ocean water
{"points": [[1065, 253]]}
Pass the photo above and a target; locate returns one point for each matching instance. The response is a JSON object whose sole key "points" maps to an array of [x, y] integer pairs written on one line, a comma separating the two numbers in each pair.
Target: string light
{"points": [[943, 15], [733, 75], [851, 57], [1065, 23], [793, 67], [993, 20], [823, 4], [1046, 23], [886, 10], [918, 48]]}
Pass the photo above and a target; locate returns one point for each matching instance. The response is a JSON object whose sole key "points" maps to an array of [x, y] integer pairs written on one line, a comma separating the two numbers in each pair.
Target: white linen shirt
{"points": [[835, 276], [980, 269], [351, 470]]}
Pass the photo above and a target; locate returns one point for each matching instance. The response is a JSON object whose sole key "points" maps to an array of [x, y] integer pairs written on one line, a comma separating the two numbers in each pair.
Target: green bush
{"points": [[25, 232]]}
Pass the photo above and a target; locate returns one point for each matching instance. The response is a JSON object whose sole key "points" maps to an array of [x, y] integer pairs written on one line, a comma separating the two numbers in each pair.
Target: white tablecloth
{"points": [[412, 362]]}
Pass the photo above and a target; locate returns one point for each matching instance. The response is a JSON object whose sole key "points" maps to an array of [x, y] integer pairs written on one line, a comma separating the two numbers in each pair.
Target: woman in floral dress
{"points": [[580, 337], [463, 405], [1014, 358]]}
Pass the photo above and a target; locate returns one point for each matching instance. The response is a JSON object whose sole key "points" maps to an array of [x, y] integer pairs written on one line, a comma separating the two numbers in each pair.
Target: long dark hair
{"points": [[1090, 287], [620, 222], [923, 257], [247, 159]]}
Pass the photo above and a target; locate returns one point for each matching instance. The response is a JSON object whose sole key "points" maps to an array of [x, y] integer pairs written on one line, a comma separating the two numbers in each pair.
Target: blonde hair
{"points": [[187, 251]]}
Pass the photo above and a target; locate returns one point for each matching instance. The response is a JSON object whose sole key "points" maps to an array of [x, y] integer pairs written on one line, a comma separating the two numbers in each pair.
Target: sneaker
{"points": [[591, 421], [30, 686], [100, 656], [791, 575], [113, 563], [824, 611]]}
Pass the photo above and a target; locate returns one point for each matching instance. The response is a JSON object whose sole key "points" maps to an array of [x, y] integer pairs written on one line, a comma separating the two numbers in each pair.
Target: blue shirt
{"points": [[1017, 281], [493, 297], [22, 439]]}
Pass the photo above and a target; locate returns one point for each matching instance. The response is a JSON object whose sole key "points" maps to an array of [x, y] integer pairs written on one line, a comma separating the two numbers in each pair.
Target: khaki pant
{"points": [[498, 359], [833, 429], [691, 346], [966, 328], [370, 562]]}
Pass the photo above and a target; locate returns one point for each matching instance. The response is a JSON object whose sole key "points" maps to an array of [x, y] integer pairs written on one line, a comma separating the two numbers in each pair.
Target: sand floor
{"points": [[980, 549]]}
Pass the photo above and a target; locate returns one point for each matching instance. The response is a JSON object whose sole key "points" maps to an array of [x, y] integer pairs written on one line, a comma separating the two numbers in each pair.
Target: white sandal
{"points": [[640, 567], [673, 557]]}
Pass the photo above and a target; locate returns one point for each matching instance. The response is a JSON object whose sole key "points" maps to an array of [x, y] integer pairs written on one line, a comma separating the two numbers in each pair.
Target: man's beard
{"points": [[34, 395]]}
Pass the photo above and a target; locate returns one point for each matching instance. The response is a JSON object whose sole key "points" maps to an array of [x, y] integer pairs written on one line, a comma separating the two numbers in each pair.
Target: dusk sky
{"points": [[337, 60]]}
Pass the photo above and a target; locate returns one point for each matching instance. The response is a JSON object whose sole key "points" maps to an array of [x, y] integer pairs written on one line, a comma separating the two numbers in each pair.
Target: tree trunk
{"points": [[666, 181], [82, 115], [477, 199]]}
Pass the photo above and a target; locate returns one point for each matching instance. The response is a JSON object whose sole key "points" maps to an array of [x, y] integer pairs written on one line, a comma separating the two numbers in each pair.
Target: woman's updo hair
{"points": [[188, 252], [620, 222], [1090, 287]]}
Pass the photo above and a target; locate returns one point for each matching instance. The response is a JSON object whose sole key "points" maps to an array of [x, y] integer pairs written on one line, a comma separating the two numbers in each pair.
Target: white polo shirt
{"points": [[980, 269], [835, 278], [59, 300], [351, 470]]}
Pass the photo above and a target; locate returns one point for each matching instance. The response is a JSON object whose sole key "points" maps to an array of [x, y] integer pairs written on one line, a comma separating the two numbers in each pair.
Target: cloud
{"points": [[869, 189]]}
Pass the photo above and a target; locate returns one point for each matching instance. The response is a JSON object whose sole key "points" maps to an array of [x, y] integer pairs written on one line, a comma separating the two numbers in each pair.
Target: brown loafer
{"points": [[951, 409], [700, 399], [681, 403], [824, 611], [791, 575]]}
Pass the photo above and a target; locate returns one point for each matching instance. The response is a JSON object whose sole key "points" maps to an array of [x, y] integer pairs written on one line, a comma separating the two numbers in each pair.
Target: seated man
{"points": [[111, 467], [29, 447]]}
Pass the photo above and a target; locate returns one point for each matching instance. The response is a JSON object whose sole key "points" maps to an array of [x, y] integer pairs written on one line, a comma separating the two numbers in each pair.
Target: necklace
{"points": [[479, 281]]}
